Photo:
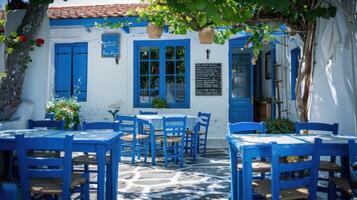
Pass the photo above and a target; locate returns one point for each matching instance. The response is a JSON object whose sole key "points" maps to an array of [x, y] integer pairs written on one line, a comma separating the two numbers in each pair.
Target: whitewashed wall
{"points": [[110, 83]]}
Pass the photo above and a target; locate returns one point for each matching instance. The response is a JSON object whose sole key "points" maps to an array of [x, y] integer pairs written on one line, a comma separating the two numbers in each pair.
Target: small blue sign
{"points": [[110, 44]]}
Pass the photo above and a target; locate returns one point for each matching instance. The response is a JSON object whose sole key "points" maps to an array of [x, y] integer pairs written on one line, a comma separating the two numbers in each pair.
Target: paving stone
{"points": [[150, 182], [156, 174], [136, 189], [126, 175]]}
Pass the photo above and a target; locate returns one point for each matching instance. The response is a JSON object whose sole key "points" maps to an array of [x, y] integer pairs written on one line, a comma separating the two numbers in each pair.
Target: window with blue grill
{"points": [[295, 55], [161, 70]]}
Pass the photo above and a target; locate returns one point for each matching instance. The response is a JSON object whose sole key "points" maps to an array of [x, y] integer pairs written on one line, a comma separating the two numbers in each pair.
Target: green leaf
{"points": [[199, 4], [203, 21]]}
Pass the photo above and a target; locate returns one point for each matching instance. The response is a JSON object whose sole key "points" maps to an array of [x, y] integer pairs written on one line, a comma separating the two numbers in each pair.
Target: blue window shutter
{"points": [[63, 63], [80, 72], [295, 54]]}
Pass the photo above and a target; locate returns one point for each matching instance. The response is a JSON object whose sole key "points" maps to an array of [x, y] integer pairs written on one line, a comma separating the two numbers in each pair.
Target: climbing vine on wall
{"points": [[18, 46]]}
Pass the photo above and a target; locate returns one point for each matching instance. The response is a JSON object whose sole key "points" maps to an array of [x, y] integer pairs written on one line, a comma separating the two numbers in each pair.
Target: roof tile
{"points": [[115, 10]]}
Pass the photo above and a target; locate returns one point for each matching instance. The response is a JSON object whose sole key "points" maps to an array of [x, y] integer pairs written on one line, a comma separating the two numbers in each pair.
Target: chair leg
{"points": [[181, 155], [165, 155], [204, 147], [186, 145], [86, 184], [332, 190], [133, 148], [146, 150]]}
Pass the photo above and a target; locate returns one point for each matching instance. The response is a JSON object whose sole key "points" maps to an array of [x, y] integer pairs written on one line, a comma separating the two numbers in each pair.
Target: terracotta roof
{"points": [[115, 10]]}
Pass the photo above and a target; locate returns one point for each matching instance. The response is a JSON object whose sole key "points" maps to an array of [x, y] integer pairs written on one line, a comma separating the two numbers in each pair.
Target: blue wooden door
{"points": [[71, 70], [240, 81]]}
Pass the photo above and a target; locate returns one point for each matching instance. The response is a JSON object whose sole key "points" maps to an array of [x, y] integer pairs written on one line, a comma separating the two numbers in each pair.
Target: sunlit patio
{"points": [[167, 99]]}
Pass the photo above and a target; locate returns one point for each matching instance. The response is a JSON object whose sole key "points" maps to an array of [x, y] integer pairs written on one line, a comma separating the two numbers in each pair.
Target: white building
{"points": [[76, 53]]}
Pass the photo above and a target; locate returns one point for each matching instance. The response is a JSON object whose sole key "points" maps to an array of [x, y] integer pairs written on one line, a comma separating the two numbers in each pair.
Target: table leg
{"points": [[115, 170], [247, 178], [233, 157], [345, 173], [101, 172], [195, 146], [153, 144]]}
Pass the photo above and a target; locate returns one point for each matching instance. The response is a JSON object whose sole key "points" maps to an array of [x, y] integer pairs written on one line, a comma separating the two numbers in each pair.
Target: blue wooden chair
{"points": [[202, 134], [47, 175], [345, 184], [49, 124], [330, 166], [91, 159], [8, 191], [148, 112], [132, 143], [174, 139], [281, 186], [250, 127], [50, 116]]}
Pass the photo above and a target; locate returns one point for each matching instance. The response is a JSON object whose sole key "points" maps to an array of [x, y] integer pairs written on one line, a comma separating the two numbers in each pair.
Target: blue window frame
{"points": [[71, 70], [162, 70], [295, 55]]}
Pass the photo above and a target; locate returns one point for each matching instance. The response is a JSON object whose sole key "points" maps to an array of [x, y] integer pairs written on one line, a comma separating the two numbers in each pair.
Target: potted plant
{"points": [[159, 103], [206, 35], [66, 109], [114, 109], [154, 31], [156, 23], [278, 126]]}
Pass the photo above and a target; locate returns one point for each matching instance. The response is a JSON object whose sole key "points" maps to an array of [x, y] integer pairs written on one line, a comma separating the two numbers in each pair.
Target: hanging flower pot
{"points": [[206, 35], [154, 31]]}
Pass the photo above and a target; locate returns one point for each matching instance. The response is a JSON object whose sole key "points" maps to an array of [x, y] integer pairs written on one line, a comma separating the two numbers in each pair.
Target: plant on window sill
{"points": [[66, 109], [159, 103]]}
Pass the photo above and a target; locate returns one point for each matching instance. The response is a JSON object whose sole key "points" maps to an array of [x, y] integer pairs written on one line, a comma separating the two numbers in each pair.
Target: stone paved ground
{"points": [[206, 178]]}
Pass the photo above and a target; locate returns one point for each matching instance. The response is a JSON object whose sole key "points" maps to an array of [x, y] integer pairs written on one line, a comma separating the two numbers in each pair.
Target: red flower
{"points": [[39, 41], [22, 38]]}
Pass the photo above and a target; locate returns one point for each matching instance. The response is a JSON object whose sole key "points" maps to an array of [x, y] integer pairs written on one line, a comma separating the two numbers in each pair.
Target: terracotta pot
{"points": [[206, 35], [154, 31]]}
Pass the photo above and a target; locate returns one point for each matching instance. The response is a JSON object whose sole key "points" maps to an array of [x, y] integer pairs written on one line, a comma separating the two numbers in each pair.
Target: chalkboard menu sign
{"points": [[110, 44], [208, 79]]}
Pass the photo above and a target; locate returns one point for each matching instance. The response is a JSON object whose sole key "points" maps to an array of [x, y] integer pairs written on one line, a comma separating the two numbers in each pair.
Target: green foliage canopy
{"points": [[258, 18]]}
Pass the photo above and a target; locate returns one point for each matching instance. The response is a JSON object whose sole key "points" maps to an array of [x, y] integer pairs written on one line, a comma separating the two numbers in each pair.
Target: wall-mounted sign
{"points": [[208, 79], [110, 45]]}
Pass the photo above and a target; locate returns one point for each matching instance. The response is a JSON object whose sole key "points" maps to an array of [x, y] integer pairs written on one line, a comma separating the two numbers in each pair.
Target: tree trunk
{"points": [[11, 85], [305, 74]]}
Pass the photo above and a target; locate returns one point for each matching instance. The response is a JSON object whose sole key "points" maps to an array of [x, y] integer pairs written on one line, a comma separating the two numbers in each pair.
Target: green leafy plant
{"points": [[65, 109], [159, 103], [277, 126]]}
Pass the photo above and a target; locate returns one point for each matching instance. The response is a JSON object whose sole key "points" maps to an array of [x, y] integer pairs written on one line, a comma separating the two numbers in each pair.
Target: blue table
{"points": [[241, 187], [96, 142], [156, 123]]}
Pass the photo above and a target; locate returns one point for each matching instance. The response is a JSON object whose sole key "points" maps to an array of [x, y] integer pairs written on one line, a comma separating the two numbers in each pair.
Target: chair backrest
{"points": [[128, 125], [147, 112], [8, 191], [244, 127], [315, 126], [174, 126], [205, 119], [34, 166], [50, 116], [49, 124], [307, 167], [100, 126]]}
